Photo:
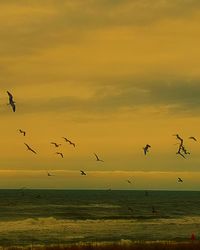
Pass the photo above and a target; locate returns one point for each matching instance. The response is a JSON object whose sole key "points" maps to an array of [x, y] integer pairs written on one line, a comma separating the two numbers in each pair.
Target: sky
{"points": [[111, 76]]}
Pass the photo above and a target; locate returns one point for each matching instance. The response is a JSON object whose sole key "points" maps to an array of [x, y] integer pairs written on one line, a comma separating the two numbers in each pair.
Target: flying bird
{"points": [[146, 148], [11, 101], [179, 179], [129, 181], [22, 132], [97, 158], [49, 174], [56, 144], [82, 172], [61, 154], [70, 142], [192, 138], [29, 148]]}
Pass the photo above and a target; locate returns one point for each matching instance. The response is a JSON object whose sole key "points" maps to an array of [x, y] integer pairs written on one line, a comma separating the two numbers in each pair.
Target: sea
{"points": [[54, 217]]}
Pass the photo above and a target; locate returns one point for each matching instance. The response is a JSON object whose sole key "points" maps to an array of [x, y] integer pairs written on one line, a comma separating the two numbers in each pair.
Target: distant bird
{"points": [[11, 101], [97, 158], [56, 144], [61, 154], [129, 181], [29, 148], [70, 142], [49, 174], [179, 179], [82, 172], [193, 138], [146, 148], [22, 132]]}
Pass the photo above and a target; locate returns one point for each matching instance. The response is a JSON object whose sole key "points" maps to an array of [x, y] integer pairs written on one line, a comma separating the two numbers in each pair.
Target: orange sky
{"points": [[111, 76]]}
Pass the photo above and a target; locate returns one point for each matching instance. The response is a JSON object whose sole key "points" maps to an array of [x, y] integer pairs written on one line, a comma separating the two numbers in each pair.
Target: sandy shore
{"points": [[135, 246]]}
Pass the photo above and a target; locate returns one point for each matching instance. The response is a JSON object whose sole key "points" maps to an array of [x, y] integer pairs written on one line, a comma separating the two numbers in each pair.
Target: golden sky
{"points": [[110, 75]]}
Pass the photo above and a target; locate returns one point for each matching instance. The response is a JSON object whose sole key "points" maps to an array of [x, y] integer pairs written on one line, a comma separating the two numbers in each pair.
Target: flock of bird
{"points": [[12, 103], [182, 151]]}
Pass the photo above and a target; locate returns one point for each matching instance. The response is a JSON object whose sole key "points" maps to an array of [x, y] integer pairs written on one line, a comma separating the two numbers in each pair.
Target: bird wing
{"points": [[96, 156], [193, 138], [27, 145], [32, 150], [10, 96], [13, 106]]}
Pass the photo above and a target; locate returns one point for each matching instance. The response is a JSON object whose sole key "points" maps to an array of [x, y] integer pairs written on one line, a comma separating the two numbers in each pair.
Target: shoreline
{"points": [[137, 245]]}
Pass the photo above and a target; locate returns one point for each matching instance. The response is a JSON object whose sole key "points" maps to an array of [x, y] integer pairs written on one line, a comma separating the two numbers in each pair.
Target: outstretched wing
{"points": [[10, 96], [13, 106], [96, 157], [33, 151]]}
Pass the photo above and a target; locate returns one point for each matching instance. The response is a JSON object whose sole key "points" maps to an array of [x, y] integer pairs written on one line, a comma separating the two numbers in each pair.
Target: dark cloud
{"points": [[116, 95]]}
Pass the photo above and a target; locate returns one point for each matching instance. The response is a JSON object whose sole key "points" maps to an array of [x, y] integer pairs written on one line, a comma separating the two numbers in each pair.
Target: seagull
{"points": [[193, 138], [29, 148], [70, 142], [179, 179], [55, 144], [11, 101], [97, 158], [61, 154], [146, 148], [22, 132], [82, 172], [49, 174]]}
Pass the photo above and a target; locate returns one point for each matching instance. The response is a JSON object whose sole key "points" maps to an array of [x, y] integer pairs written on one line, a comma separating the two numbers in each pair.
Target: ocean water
{"points": [[42, 217]]}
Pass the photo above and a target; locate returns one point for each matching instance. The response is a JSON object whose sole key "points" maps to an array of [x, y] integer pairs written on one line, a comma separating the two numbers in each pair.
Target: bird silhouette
{"points": [[29, 148], [11, 101], [97, 158], [192, 138], [146, 148], [56, 144], [49, 174], [70, 142], [129, 181], [59, 153], [179, 179], [82, 172], [22, 132]]}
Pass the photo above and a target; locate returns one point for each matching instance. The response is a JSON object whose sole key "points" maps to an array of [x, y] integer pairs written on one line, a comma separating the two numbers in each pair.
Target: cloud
{"points": [[115, 95], [29, 27]]}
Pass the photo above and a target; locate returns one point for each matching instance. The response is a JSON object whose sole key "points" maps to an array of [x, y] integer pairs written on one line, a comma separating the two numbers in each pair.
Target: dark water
{"points": [[67, 216]]}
